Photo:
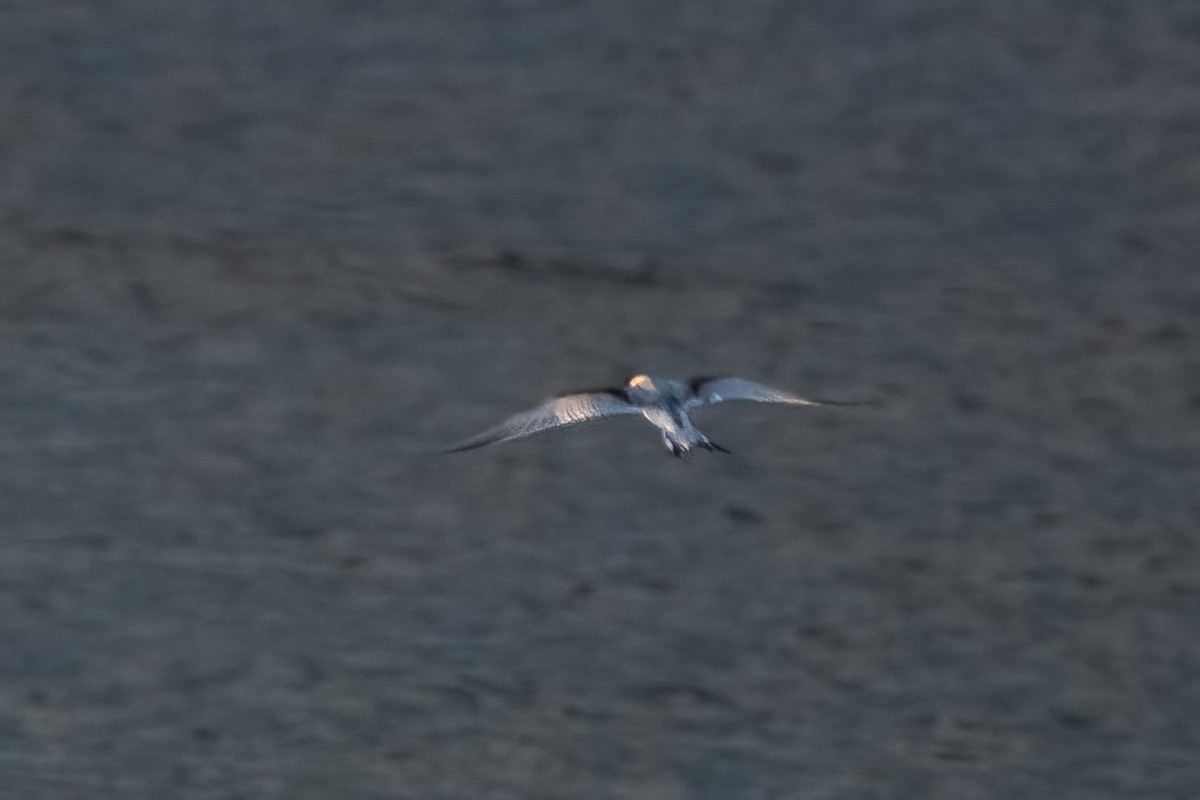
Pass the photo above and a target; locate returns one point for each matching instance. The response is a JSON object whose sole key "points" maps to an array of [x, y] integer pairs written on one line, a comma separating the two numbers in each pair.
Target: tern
{"points": [[664, 403]]}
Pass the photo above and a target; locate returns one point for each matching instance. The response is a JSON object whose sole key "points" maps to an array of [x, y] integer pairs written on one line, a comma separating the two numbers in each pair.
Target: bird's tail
{"points": [[709, 444]]}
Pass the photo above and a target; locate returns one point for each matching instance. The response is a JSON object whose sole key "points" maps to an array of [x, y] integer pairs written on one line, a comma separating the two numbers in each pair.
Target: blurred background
{"points": [[258, 260]]}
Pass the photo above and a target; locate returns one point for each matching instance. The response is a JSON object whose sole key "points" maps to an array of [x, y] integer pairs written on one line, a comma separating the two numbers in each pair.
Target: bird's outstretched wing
{"points": [[567, 409], [709, 391]]}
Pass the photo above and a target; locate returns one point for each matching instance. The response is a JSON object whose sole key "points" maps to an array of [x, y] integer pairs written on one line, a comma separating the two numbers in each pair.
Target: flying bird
{"points": [[664, 403]]}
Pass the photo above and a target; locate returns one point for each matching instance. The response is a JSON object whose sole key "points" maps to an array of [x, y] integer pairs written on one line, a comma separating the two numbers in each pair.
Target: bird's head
{"points": [[640, 386]]}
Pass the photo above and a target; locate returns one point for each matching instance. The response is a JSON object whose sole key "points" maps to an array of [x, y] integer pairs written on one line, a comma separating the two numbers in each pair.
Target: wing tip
{"points": [[461, 448], [475, 442], [874, 401]]}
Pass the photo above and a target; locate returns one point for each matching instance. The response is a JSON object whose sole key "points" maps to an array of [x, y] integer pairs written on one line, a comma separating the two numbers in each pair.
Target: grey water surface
{"points": [[258, 260]]}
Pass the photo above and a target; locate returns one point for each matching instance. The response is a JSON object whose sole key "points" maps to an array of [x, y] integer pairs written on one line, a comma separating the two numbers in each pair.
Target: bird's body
{"points": [[664, 403]]}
